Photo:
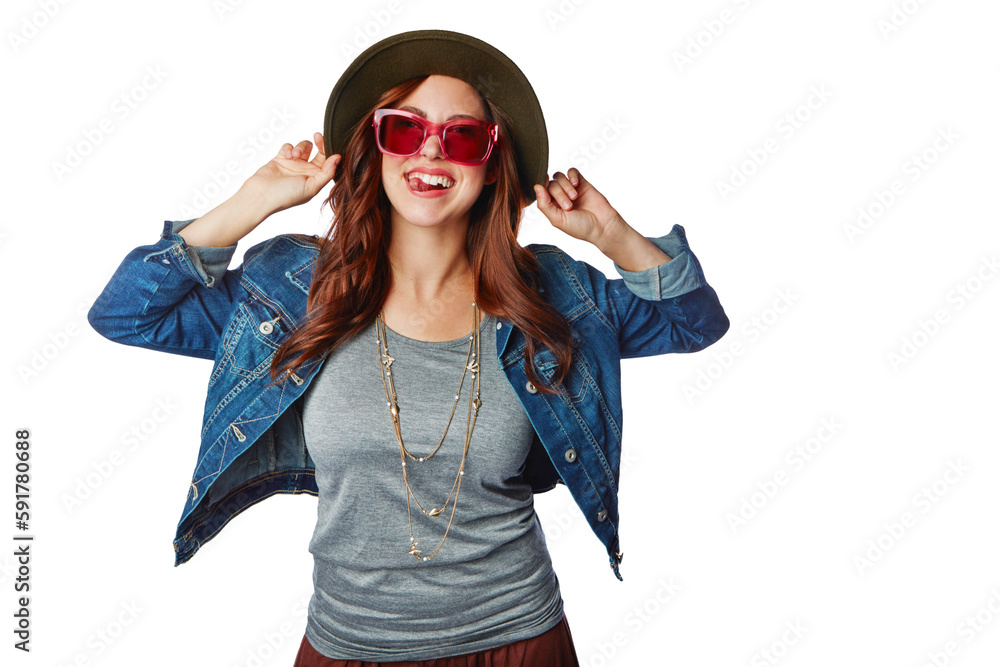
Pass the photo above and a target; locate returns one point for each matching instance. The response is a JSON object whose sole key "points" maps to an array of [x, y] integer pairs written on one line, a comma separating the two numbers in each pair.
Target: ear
{"points": [[492, 172]]}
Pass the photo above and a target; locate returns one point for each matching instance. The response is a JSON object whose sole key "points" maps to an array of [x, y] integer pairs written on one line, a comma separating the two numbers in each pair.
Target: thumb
{"points": [[330, 165]]}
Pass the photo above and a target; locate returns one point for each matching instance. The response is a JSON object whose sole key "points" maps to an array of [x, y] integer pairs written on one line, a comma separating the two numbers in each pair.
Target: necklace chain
{"points": [[471, 365]]}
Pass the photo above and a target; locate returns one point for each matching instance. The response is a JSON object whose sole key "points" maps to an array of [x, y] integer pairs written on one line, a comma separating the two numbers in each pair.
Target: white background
{"points": [[817, 313]]}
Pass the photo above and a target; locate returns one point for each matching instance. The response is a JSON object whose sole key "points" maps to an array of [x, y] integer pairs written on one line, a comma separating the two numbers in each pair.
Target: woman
{"points": [[366, 342]]}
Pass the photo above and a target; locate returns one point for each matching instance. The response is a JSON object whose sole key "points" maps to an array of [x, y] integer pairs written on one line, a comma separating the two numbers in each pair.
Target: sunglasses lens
{"points": [[401, 135], [463, 142], [466, 143]]}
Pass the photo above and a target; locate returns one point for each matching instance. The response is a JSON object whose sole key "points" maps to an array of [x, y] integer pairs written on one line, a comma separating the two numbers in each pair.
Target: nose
{"points": [[432, 147]]}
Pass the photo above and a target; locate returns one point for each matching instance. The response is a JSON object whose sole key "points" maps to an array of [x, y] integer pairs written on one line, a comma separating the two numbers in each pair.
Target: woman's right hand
{"points": [[291, 178]]}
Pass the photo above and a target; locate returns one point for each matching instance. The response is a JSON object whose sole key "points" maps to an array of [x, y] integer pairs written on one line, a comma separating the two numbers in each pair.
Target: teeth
{"points": [[433, 180]]}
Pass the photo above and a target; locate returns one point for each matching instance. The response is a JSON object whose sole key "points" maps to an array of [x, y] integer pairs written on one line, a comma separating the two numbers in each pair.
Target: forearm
{"points": [[632, 251], [228, 222], [666, 307]]}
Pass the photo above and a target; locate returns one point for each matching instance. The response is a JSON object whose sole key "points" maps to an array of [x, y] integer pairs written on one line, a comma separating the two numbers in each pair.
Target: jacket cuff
{"points": [[208, 263], [682, 274]]}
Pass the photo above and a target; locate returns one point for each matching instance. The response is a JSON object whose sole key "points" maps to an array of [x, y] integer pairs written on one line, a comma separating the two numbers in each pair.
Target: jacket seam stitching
{"points": [[225, 434], [256, 293], [592, 441], [586, 474], [250, 482], [577, 287], [152, 344]]}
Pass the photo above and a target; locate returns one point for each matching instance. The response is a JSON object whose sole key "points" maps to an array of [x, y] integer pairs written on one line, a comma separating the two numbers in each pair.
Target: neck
{"points": [[428, 262]]}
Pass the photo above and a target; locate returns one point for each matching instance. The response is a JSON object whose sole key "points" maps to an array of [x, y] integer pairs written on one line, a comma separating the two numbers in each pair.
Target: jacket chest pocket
{"points": [[577, 385], [252, 337]]}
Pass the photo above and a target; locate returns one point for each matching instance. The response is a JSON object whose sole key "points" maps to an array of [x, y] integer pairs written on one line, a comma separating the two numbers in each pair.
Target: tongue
{"points": [[420, 186]]}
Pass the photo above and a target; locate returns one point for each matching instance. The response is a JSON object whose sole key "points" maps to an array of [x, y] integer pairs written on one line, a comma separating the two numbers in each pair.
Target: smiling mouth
{"points": [[425, 183]]}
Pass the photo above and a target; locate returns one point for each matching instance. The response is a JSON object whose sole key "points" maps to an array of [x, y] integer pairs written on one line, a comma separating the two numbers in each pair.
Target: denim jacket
{"points": [[182, 299]]}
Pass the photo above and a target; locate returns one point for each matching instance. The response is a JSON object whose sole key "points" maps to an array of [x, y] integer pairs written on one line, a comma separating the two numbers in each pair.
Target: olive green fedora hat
{"points": [[407, 55]]}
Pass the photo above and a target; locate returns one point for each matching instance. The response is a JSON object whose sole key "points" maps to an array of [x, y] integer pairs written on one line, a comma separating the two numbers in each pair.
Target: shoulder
{"points": [[291, 249], [566, 281], [537, 249], [556, 261], [550, 257]]}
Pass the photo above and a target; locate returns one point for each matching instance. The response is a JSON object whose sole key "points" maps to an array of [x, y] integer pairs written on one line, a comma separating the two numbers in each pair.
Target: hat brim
{"points": [[422, 52]]}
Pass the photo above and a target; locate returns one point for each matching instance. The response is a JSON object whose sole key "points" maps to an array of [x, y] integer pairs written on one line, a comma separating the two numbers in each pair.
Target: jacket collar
{"points": [[287, 293]]}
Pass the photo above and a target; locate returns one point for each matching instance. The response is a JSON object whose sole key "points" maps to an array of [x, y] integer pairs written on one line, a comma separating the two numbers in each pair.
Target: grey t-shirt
{"points": [[492, 582]]}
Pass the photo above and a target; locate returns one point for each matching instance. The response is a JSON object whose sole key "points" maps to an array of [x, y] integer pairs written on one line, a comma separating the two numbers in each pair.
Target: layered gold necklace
{"points": [[471, 365]]}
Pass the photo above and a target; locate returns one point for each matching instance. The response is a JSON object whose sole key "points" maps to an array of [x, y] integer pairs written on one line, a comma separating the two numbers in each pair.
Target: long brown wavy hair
{"points": [[352, 277]]}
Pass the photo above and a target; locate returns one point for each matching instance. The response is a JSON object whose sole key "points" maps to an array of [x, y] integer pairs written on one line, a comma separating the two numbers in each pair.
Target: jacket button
{"points": [[571, 455], [530, 387], [166, 261], [602, 515], [499, 325], [266, 328]]}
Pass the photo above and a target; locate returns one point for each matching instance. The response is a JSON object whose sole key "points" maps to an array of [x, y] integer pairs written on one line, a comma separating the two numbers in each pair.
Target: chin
{"points": [[424, 218], [426, 212]]}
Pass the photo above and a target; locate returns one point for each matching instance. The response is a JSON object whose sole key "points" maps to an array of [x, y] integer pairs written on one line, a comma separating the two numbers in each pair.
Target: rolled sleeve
{"points": [[682, 274], [206, 264]]}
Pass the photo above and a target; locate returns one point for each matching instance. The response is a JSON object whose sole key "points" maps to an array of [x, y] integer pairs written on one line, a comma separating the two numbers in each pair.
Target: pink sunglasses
{"points": [[464, 141]]}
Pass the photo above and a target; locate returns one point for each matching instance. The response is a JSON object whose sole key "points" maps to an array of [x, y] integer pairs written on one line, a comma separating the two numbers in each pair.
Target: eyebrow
{"points": [[422, 113]]}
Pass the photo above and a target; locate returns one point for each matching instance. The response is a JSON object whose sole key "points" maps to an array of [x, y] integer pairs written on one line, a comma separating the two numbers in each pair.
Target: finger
{"points": [[565, 183], [285, 151], [575, 177], [545, 203], [326, 172], [331, 164], [542, 198], [302, 149], [558, 193], [320, 159]]}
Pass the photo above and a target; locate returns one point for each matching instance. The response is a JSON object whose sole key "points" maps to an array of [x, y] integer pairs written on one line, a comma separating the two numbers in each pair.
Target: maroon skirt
{"points": [[553, 648]]}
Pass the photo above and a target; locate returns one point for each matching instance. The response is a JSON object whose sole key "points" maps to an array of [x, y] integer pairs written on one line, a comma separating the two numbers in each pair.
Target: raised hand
{"points": [[291, 178], [572, 204]]}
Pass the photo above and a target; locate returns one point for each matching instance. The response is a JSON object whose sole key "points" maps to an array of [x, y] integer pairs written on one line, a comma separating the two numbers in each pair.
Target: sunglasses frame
{"points": [[438, 129]]}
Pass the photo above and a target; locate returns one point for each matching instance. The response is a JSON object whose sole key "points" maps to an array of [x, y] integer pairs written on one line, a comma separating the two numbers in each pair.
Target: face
{"points": [[438, 98]]}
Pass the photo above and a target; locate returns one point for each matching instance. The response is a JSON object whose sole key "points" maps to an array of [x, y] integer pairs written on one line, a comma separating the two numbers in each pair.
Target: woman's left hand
{"points": [[574, 205]]}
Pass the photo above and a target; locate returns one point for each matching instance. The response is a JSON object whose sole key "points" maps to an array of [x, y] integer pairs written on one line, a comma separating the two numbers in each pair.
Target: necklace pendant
{"points": [[434, 512], [414, 551]]}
